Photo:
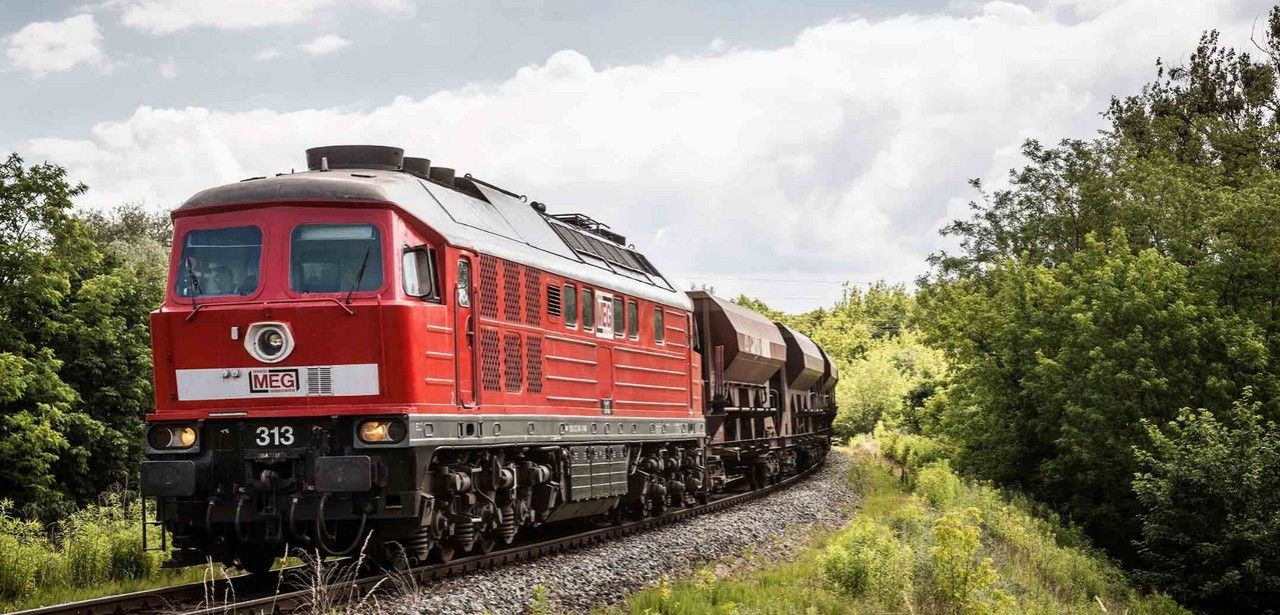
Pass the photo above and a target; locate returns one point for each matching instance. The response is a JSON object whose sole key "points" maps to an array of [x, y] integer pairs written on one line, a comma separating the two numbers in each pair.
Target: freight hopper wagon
{"points": [[378, 351], [769, 391]]}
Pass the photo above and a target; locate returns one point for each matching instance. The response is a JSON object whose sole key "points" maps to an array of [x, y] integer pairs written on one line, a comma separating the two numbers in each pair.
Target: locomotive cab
{"points": [[276, 313]]}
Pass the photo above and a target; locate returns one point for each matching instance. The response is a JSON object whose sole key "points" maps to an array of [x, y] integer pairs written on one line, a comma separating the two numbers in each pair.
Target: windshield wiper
{"points": [[195, 282], [359, 276]]}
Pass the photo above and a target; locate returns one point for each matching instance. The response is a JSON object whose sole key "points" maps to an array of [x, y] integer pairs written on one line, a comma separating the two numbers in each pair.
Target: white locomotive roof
{"points": [[502, 226]]}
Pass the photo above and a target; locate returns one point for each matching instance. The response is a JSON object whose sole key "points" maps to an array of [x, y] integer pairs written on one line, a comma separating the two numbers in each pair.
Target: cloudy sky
{"points": [[777, 148]]}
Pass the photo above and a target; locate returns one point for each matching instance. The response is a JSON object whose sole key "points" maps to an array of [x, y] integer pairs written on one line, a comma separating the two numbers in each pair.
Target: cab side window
{"points": [[659, 329], [619, 317], [588, 310], [464, 283], [633, 320], [419, 274], [570, 309]]}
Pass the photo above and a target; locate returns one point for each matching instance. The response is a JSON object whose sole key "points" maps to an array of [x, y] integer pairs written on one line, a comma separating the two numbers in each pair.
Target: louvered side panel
{"points": [[512, 371], [489, 363], [532, 296], [488, 286], [511, 298], [533, 364]]}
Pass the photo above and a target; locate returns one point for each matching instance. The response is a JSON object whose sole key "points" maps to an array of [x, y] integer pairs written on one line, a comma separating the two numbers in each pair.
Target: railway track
{"points": [[282, 590]]}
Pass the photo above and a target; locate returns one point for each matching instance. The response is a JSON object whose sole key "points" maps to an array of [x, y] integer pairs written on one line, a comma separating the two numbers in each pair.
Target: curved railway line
{"points": [[282, 590]]}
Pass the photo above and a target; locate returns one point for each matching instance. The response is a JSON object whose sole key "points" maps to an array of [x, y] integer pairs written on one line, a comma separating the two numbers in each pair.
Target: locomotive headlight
{"points": [[171, 437], [268, 342], [382, 431]]}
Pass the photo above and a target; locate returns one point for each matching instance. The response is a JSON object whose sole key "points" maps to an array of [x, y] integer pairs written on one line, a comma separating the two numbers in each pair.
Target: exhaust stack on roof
{"points": [[417, 167], [442, 175], [376, 157]]}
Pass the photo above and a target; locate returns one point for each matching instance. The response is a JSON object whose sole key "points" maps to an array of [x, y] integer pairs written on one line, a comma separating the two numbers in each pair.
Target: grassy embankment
{"points": [[94, 552], [923, 541]]}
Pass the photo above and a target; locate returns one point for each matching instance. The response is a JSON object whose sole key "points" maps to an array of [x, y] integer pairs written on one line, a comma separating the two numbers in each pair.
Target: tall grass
{"points": [[924, 541], [95, 547]]}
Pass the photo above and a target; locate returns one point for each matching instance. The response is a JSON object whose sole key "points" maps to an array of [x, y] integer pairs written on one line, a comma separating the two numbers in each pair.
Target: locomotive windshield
{"points": [[219, 262], [335, 258]]}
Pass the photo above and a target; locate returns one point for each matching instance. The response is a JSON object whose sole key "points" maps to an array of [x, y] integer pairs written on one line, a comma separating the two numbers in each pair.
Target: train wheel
{"points": [[444, 553], [257, 560]]}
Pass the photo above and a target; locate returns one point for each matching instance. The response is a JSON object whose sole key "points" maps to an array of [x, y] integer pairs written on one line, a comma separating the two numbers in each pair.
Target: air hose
{"points": [[322, 531]]}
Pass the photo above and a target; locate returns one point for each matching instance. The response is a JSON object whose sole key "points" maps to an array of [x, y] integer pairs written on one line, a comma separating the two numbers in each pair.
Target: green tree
{"points": [[1210, 507], [892, 382], [1114, 281], [106, 344], [1056, 367], [42, 249], [75, 362]]}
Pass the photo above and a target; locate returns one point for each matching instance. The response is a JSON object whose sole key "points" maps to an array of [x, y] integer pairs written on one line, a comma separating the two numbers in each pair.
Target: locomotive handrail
{"points": [[349, 311]]}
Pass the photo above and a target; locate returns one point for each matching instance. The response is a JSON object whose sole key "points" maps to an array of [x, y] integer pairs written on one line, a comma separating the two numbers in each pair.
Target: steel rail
{"points": [[262, 595]]}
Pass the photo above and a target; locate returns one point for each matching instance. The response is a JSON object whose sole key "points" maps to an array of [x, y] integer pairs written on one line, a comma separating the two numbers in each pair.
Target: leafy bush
{"points": [[911, 451], [868, 560], [983, 551], [1210, 495], [938, 484], [896, 376], [960, 577]]}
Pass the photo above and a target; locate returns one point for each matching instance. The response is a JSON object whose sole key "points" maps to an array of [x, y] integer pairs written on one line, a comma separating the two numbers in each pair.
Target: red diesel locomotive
{"points": [[376, 351]]}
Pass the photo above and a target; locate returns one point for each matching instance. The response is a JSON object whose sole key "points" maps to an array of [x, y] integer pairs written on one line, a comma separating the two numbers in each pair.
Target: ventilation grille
{"points": [[511, 364], [532, 298], [511, 291], [489, 359], [553, 300], [533, 364], [488, 286], [319, 381]]}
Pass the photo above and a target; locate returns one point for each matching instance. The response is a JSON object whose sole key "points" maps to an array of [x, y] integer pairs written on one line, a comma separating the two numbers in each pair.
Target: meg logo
{"points": [[273, 380]]}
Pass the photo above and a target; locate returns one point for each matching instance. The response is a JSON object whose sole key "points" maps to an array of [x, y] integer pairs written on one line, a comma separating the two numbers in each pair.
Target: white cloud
{"points": [[326, 44], [833, 158], [168, 69], [270, 53], [169, 16], [55, 46]]}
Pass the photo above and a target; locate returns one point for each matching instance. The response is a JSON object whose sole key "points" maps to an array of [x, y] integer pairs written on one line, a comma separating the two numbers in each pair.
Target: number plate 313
{"points": [[273, 436]]}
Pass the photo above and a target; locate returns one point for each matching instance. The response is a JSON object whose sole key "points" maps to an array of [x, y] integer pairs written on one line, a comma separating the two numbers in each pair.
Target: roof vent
{"points": [[377, 157], [443, 175], [417, 167]]}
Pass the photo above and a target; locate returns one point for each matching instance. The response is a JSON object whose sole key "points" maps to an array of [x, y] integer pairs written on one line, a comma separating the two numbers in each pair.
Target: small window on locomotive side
{"points": [[619, 317], [588, 310], [419, 274], [570, 306], [659, 329], [633, 320]]}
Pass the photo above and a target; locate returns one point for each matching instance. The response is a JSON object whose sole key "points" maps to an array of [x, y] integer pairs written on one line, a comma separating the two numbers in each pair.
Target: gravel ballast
{"points": [[605, 574]]}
